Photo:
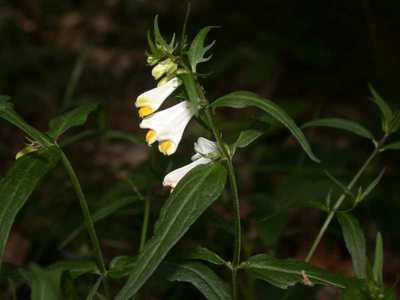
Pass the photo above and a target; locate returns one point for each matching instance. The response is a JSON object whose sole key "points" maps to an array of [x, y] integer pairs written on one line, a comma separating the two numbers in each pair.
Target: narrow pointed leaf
{"points": [[392, 146], [386, 111], [157, 34], [347, 125], [94, 289], [243, 99], [377, 269], [202, 277], [75, 117], [372, 185], [19, 183], [8, 113], [284, 273], [355, 242], [201, 253], [246, 137], [194, 193]]}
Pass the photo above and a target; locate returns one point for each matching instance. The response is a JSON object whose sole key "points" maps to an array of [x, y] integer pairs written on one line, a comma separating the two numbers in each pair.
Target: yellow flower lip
{"points": [[145, 111], [150, 137], [166, 147]]}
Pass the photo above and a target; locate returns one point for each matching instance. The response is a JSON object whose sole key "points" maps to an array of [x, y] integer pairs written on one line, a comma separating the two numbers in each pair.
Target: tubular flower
{"points": [[204, 149], [167, 126], [150, 101], [165, 67]]}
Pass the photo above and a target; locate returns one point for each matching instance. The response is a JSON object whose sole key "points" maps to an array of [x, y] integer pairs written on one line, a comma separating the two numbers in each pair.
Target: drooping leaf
{"points": [[386, 111], [246, 137], [101, 214], [197, 50], [355, 242], [19, 183], [347, 125], [8, 113], [75, 117], [44, 283], [243, 99], [392, 146], [377, 269], [284, 273], [201, 253], [194, 193], [202, 277]]}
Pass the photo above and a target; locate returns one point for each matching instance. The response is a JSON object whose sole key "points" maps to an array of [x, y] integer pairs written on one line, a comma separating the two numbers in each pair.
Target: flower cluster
{"points": [[166, 126]]}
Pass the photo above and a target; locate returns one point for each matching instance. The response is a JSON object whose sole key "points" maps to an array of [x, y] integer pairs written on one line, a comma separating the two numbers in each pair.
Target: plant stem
{"points": [[343, 197], [145, 224], [86, 213], [238, 229]]}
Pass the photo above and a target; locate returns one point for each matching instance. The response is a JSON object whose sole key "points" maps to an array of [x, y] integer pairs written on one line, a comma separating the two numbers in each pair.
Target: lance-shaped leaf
{"points": [[392, 146], [197, 50], [386, 111], [191, 90], [201, 253], [355, 242], [8, 113], [44, 284], [201, 276], [246, 137], [347, 125], [19, 183], [370, 187], [243, 99], [194, 193], [284, 273], [75, 117], [377, 269]]}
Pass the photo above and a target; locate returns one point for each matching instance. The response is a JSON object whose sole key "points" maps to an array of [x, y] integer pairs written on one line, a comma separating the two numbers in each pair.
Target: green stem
{"points": [[86, 213], [145, 224], [343, 197]]}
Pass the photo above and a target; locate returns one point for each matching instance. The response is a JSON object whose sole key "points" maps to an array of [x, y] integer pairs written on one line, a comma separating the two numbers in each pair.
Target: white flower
{"points": [[167, 126], [165, 67], [150, 101], [203, 148]]}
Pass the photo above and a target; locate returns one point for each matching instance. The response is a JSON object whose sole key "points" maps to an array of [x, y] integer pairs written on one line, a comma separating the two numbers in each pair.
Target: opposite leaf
{"points": [[75, 117], [243, 99], [197, 50], [284, 273], [19, 183], [348, 125], [204, 254], [194, 193], [355, 242], [246, 137], [386, 111], [202, 277]]}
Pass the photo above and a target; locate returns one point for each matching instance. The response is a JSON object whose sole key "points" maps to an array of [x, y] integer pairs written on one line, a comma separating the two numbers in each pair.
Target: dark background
{"points": [[314, 58]]}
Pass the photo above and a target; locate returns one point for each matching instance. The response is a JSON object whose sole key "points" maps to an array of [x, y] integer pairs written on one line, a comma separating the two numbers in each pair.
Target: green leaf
{"points": [[386, 111], [340, 185], [355, 242], [120, 266], [192, 196], [202, 277], [76, 268], [371, 187], [94, 289], [243, 99], [201, 253], [19, 183], [191, 90], [197, 50], [44, 284], [377, 269], [355, 292], [246, 137], [101, 214], [157, 34], [392, 146], [8, 113], [75, 117], [284, 273], [348, 125]]}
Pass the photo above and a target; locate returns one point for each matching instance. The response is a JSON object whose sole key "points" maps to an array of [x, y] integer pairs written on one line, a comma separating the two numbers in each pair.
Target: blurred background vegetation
{"points": [[314, 58]]}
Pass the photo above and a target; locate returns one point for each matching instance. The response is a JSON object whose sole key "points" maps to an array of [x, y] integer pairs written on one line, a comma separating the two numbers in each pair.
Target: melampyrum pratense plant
{"points": [[194, 187]]}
